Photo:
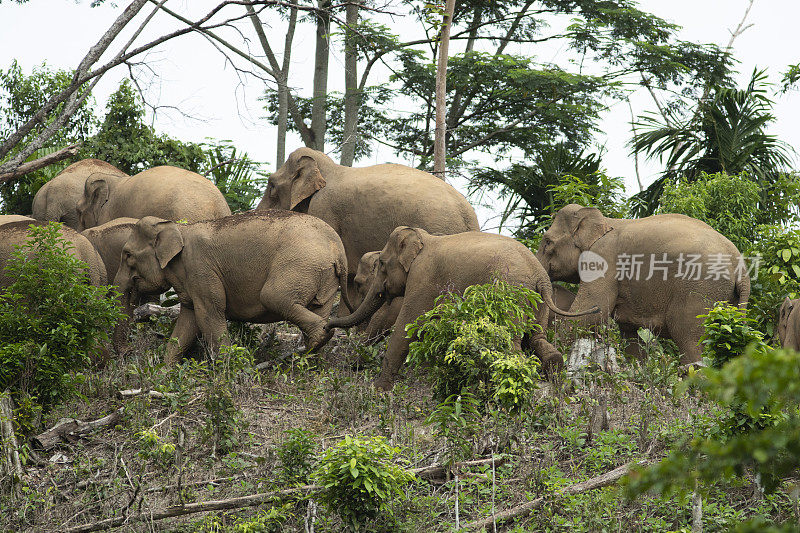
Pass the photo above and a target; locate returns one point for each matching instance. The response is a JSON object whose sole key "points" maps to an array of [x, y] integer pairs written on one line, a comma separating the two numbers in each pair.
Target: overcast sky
{"points": [[194, 77]]}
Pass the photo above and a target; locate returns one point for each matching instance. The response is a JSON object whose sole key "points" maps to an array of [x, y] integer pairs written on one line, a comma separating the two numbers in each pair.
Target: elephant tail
{"points": [[545, 289], [742, 288], [341, 272]]}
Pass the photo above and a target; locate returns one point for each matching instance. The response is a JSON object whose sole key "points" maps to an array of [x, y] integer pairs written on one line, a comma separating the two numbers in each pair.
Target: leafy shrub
{"points": [[360, 480], [765, 385], [728, 332], [778, 275], [233, 174], [456, 421], [729, 204], [51, 318], [297, 455], [469, 341]]}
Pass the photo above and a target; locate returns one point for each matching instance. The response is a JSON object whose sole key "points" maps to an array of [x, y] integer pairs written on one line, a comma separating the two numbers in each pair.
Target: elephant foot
{"points": [[385, 384], [316, 341]]}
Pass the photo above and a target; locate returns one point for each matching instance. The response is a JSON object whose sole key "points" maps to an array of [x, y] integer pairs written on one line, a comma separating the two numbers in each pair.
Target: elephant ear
{"points": [[409, 245], [168, 243], [588, 224], [786, 307], [308, 181], [95, 193]]}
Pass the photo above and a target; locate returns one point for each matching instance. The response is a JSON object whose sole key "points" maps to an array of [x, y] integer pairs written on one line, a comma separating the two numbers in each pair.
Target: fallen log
{"points": [[74, 428], [145, 311], [191, 508], [132, 393], [603, 480], [438, 471]]}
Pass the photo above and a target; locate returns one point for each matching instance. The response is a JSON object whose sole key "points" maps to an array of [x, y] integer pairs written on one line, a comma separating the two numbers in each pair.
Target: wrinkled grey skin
{"points": [[17, 233], [245, 267], [108, 239], [563, 299], [57, 200], [384, 318], [789, 324], [668, 307], [166, 192], [420, 266], [364, 205]]}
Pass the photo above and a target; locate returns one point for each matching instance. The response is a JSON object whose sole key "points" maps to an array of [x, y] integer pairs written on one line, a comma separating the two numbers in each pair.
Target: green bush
{"points": [[728, 332], [297, 455], [469, 341], [51, 318], [360, 480], [778, 275]]}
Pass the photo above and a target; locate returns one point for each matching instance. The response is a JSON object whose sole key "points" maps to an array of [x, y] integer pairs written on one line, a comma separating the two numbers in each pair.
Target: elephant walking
{"points": [[419, 267], [364, 205], [254, 267], [789, 324], [658, 272], [384, 318]]}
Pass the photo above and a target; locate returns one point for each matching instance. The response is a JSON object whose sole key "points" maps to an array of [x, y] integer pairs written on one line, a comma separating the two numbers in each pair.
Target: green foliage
{"points": [[154, 449], [128, 143], [763, 384], [21, 97], [51, 318], [778, 274], [729, 204], [297, 455], [723, 133], [222, 427], [233, 174], [469, 342], [728, 331], [360, 480], [456, 421]]}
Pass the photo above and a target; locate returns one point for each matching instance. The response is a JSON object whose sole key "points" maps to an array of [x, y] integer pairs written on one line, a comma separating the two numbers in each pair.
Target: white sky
{"points": [[194, 77]]}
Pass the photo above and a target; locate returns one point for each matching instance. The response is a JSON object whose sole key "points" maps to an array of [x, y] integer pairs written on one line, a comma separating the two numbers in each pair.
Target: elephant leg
{"points": [[184, 334], [310, 323], [213, 326], [685, 328], [378, 326], [414, 305]]}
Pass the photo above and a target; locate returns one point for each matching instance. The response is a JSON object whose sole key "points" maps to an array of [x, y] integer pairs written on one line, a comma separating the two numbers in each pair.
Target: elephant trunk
{"points": [[372, 302], [545, 289]]}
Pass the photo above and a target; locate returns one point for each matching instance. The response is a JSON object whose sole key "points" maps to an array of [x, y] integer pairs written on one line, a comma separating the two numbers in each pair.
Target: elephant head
{"points": [[390, 275], [364, 275], [574, 230], [96, 191], [153, 243], [298, 179]]}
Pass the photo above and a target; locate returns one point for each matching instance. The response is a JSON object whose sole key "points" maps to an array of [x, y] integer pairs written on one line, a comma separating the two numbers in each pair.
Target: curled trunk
{"points": [[371, 303]]}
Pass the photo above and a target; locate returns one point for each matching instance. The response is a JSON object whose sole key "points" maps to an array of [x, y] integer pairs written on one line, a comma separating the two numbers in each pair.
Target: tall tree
{"points": [[439, 147]]}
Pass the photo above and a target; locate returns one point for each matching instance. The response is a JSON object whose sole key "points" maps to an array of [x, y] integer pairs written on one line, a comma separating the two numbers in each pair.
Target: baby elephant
{"points": [[384, 318], [789, 324], [245, 267], [421, 266]]}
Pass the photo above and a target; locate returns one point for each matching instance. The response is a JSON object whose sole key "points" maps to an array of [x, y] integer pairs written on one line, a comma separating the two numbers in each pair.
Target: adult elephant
{"points": [[17, 233], [364, 205], [57, 200], [246, 267], [658, 272], [419, 267], [166, 192]]}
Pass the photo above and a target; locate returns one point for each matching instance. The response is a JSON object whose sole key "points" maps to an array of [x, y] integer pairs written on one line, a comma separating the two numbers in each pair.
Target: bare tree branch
{"points": [[42, 162]]}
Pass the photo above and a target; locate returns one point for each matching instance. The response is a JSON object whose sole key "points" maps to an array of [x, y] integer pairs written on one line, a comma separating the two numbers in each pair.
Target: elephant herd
{"points": [[389, 238]]}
